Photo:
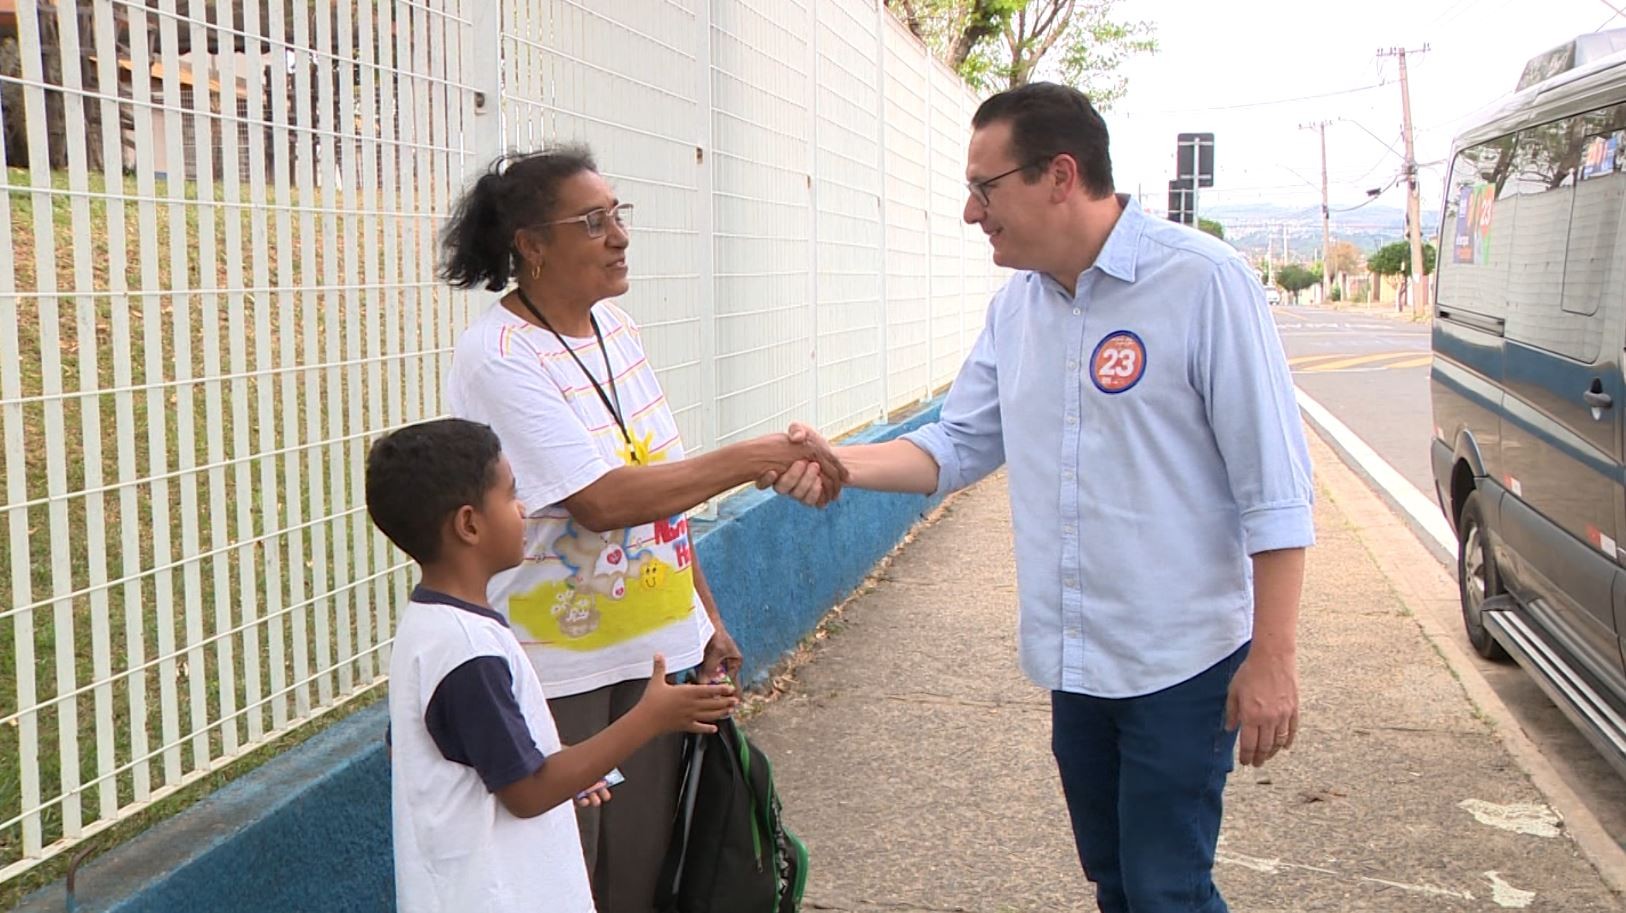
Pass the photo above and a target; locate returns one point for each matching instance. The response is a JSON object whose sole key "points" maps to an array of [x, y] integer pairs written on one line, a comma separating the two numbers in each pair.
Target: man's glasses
{"points": [[979, 189], [598, 221]]}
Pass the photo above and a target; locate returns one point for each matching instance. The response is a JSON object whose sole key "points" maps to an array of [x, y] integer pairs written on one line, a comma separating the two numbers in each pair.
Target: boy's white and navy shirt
{"points": [[467, 718]]}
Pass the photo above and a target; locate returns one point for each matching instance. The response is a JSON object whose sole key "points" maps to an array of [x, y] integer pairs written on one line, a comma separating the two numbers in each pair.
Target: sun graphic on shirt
{"points": [[639, 451]]}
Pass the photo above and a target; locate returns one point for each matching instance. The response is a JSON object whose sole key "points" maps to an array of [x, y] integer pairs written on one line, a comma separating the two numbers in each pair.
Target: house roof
{"points": [[185, 74]]}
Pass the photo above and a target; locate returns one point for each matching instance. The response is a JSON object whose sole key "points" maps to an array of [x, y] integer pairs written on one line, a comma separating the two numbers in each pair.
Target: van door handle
{"points": [[1598, 400]]}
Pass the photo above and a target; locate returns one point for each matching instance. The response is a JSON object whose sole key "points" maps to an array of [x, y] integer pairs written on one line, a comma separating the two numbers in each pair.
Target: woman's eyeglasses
{"points": [[598, 221]]}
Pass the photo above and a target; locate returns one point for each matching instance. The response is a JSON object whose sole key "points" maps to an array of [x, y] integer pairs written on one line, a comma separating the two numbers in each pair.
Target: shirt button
{"points": [[1067, 474], [1072, 365], [1067, 530], [1077, 311], [1072, 419], [1071, 583], [1072, 632]]}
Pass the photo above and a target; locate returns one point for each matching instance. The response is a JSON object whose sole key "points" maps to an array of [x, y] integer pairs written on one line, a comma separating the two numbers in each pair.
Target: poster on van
{"points": [[1600, 156], [1475, 208]]}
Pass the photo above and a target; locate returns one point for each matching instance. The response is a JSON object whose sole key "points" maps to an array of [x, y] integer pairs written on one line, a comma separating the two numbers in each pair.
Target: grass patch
{"points": [[180, 471]]}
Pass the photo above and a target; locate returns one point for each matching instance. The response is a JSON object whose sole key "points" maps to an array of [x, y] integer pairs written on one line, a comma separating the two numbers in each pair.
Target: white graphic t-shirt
{"points": [[590, 608]]}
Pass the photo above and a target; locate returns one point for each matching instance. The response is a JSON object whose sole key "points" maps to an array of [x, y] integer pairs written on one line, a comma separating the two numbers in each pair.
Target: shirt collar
{"points": [[423, 594], [1118, 255]]}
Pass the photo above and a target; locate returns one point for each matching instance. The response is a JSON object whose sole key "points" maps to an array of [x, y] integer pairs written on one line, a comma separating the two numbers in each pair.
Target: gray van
{"points": [[1528, 392]]}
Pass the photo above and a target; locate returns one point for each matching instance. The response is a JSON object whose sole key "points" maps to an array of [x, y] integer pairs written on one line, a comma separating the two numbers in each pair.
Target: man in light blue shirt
{"points": [[1130, 376]]}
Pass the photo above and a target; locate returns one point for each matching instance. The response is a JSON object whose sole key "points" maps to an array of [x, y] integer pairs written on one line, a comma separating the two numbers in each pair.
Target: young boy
{"points": [[481, 786]]}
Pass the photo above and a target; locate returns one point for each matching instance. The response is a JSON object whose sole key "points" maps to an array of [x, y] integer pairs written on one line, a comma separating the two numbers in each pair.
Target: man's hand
{"points": [[722, 657], [1264, 703], [801, 481], [815, 481]]}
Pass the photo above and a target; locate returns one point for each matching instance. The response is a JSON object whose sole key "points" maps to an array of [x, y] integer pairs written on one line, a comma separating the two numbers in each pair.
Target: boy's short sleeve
{"points": [[475, 720]]}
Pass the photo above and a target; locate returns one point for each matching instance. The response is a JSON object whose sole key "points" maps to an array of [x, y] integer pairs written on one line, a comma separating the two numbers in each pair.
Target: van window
{"points": [[1592, 271], [1473, 269], [1546, 169]]}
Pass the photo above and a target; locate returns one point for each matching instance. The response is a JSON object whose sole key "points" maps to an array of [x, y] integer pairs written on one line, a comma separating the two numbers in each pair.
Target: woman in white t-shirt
{"points": [[609, 576]]}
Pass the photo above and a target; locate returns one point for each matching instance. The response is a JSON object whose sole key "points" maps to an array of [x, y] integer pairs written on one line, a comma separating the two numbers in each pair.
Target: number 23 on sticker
{"points": [[1119, 362]]}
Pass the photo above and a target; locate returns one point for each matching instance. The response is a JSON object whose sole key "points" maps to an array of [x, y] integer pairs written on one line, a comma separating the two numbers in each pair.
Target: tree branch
{"points": [[1054, 7], [910, 16], [1054, 31], [980, 22]]}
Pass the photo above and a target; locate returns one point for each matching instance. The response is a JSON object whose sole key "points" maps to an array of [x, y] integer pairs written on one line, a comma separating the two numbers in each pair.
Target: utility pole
{"points": [[1270, 258], [1326, 214], [1417, 287]]}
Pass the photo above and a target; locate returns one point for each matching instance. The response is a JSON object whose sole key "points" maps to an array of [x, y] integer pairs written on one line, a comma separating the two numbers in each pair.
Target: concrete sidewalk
{"points": [[914, 757]]}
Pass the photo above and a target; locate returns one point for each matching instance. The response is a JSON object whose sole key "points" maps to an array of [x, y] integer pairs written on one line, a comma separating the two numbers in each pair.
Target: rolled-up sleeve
{"points": [[967, 440], [1238, 364]]}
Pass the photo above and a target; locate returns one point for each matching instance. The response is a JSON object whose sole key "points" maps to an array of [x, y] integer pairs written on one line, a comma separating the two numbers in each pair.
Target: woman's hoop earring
{"points": [[536, 272]]}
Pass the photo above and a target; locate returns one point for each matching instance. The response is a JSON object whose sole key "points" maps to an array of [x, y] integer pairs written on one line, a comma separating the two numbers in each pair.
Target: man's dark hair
{"points": [[1047, 120], [517, 191], [422, 474]]}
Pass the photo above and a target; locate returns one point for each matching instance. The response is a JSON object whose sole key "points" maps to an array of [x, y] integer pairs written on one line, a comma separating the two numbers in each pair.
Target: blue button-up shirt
{"points": [[1153, 444]]}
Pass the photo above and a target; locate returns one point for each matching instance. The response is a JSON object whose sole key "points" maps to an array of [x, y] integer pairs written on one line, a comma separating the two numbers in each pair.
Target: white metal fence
{"points": [[219, 287]]}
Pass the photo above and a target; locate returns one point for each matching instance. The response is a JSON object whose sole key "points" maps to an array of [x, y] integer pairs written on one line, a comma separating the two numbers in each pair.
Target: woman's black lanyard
{"points": [[609, 371]]}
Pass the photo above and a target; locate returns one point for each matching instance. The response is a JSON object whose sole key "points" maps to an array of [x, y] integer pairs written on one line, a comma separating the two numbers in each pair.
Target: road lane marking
{"points": [[1418, 507], [1355, 361], [1421, 361]]}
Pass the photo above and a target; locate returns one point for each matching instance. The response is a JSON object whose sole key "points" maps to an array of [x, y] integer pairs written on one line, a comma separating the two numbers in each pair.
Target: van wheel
{"points": [[1477, 579]]}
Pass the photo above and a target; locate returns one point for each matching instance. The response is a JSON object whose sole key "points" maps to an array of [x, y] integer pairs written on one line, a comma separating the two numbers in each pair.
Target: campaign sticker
{"points": [[1118, 363]]}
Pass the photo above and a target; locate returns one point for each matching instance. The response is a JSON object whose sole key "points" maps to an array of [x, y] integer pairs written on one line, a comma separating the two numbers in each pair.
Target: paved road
{"points": [[1371, 372]]}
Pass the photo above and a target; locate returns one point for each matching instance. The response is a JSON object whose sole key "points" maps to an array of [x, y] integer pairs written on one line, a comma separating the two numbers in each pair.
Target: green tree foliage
{"points": [[998, 44], [1294, 278], [1395, 259]]}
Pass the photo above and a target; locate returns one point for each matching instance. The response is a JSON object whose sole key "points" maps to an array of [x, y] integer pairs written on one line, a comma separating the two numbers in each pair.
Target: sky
{"points": [[1227, 68]]}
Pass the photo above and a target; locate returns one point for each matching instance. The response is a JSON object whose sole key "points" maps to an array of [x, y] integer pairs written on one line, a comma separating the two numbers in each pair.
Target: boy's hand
{"points": [[595, 795], [685, 708]]}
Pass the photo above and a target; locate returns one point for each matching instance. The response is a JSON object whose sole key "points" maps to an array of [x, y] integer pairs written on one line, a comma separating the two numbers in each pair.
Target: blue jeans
{"points": [[1144, 778]]}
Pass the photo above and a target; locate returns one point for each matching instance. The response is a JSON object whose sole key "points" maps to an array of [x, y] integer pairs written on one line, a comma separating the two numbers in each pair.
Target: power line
{"points": [[1374, 197], [1454, 12], [1615, 13], [1366, 174], [1260, 104], [1252, 188], [1381, 141]]}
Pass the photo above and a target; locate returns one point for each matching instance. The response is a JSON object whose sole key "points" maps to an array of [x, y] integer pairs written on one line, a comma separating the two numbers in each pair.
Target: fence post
{"points": [[812, 83], [881, 199], [482, 55], [965, 244], [931, 241], [705, 230]]}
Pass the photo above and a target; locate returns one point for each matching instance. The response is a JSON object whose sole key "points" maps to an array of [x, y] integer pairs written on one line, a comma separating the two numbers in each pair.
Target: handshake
{"points": [[807, 466]]}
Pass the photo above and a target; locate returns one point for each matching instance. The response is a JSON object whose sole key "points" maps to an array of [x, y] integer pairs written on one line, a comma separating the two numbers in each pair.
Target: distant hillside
{"points": [[1254, 227]]}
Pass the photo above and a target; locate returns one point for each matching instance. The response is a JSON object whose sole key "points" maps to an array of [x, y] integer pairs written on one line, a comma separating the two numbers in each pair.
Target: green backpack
{"points": [[730, 850]]}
